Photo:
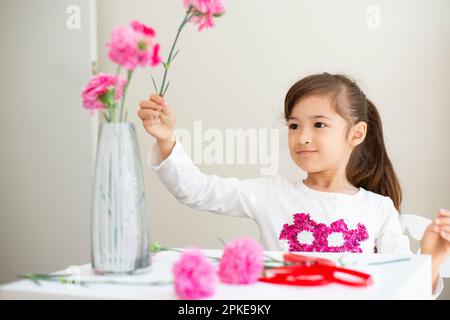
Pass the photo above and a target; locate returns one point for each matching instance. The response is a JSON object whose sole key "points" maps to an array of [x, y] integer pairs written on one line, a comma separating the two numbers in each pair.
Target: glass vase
{"points": [[119, 228]]}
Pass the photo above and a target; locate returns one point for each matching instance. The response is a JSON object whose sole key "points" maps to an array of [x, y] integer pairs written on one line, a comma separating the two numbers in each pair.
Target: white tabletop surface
{"points": [[410, 279]]}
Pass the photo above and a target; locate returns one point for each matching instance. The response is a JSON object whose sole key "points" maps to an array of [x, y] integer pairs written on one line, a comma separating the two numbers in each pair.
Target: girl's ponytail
{"points": [[369, 166]]}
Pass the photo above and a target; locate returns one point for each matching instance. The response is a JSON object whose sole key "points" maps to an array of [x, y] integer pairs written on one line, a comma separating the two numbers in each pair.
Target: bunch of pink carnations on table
{"points": [[242, 262]]}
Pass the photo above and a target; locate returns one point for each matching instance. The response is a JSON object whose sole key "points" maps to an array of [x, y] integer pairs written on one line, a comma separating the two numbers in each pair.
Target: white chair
{"points": [[416, 226]]}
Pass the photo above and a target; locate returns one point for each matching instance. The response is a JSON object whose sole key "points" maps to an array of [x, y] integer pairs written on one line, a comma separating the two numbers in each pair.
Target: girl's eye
{"points": [[293, 126], [319, 125]]}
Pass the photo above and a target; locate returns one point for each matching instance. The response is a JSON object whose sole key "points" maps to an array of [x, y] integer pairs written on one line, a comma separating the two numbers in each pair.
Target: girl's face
{"points": [[318, 138]]}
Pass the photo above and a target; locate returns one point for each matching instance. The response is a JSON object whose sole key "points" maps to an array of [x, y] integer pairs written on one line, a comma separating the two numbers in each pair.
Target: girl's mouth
{"points": [[306, 152]]}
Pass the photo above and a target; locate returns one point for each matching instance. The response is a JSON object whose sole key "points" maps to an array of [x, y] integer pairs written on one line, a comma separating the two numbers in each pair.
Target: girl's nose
{"points": [[304, 138]]}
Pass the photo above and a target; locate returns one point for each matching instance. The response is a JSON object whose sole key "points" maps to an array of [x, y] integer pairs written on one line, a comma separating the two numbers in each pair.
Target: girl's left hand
{"points": [[436, 238]]}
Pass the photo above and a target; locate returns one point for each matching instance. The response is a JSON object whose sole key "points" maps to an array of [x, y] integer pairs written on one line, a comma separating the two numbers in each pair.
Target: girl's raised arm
{"points": [[231, 196]]}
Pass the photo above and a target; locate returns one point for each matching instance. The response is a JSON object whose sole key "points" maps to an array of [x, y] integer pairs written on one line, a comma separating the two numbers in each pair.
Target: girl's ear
{"points": [[358, 133]]}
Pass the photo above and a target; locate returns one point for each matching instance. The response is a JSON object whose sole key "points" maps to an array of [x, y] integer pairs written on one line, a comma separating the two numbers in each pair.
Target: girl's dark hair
{"points": [[369, 166]]}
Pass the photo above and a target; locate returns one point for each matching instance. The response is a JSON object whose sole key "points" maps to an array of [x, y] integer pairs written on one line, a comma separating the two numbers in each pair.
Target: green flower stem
{"points": [[130, 73], [106, 117], [36, 277], [155, 248], [270, 259], [160, 249], [111, 109], [114, 107], [169, 60], [118, 70]]}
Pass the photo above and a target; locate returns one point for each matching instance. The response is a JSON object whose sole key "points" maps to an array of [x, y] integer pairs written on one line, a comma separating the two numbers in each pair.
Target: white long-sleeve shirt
{"points": [[290, 215]]}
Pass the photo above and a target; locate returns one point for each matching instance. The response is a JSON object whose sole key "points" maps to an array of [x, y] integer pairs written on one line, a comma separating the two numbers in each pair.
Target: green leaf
{"points": [[217, 15], [106, 117], [154, 85], [221, 240], [178, 50], [94, 68], [155, 247], [166, 65], [108, 98]]}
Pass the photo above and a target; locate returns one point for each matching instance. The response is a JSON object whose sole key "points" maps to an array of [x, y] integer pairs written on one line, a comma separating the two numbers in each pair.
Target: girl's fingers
{"points": [[148, 114], [445, 235], [144, 104], [442, 220], [445, 228], [150, 122], [167, 110], [156, 108], [162, 104], [444, 213], [158, 103], [157, 99]]}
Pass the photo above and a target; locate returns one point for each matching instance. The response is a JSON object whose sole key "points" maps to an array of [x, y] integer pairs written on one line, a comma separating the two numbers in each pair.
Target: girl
{"points": [[351, 197]]}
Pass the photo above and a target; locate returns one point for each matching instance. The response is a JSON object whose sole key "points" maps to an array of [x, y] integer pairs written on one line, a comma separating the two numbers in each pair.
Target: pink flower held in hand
{"points": [[102, 90], [131, 46], [204, 11], [195, 276], [242, 262]]}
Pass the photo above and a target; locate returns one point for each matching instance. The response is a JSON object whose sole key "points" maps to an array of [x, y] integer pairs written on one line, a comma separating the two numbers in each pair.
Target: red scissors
{"points": [[313, 271]]}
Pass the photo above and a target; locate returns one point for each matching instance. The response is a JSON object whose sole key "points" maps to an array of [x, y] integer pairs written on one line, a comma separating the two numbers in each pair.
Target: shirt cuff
{"points": [[439, 285], [154, 159], [439, 288]]}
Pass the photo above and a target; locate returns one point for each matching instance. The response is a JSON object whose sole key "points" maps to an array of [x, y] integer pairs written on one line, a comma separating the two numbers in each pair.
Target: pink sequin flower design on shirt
{"points": [[320, 231]]}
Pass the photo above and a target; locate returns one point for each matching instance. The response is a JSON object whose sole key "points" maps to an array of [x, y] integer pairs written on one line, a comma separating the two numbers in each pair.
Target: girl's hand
{"points": [[158, 118], [436, 239]]}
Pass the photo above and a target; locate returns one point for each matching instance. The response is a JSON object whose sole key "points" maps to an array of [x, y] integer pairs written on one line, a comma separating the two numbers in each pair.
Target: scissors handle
{"points": [[306, 260], [361, 279], [297, 276], [316, 275]]}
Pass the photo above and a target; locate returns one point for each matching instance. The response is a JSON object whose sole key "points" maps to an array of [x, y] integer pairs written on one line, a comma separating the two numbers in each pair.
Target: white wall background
{"points": [[45, 138], [233, 76]]}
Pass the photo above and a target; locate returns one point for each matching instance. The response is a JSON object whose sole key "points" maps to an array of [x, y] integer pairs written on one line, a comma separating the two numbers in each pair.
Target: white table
{"points": [[409, 279]]}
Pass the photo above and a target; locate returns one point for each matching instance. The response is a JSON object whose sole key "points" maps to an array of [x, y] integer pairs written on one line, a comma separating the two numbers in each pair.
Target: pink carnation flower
{"points": [[156, 59], [242, 262], [205, 11], [99, 85], [142, 28], [131, 46], [195, 276]]}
